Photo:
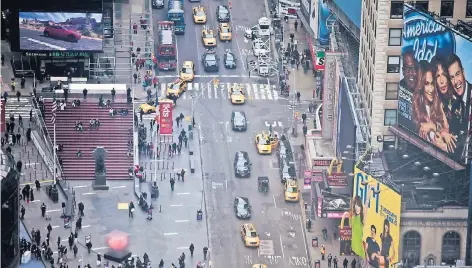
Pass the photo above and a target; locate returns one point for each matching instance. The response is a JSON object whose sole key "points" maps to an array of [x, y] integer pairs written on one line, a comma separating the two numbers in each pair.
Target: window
{"points": [[468, 10], [396, 10], [389, 142], [451, 248], [422, 5], [395, 37], [391, 91], [390, 117], [412, 247], [447, 9], [393, 65]]}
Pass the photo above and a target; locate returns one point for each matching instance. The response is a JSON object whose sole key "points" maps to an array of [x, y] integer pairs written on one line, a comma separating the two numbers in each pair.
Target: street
{"points": [[279, 224]]}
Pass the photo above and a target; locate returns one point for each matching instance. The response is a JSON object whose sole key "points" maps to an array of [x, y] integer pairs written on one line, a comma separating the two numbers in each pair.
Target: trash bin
{"points": [[54, 195], [317, 264], [199, 215], [314, 242]]}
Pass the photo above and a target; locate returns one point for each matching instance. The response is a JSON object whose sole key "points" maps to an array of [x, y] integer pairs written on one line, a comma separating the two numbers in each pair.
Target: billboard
{"points": [[434, 92], [320, 60], [374, 218], [323, 31], [334, 206], [165, 118], [346, 119], [60, 31]]}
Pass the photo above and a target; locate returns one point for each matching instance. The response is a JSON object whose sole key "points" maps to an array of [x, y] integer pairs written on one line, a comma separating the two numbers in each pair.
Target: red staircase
{"points": [[113, 134]]}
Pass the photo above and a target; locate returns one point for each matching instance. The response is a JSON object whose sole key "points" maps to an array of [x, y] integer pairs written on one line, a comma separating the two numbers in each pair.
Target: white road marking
{"points": [[262, 90], [171, 233], [53, 227], [176, 205], [32, 164], [163, 89], [248, 89], [275, 204], [46, 44], [118, 187], [268, 92], [85, 226], [88, 193], [99, 248], [53, 210], [216, 93], [275, 94], [65, 240], [282, 247], [35, 201], [178, 221], [182, 248], [80, 186], [183, 193], [189, 86], [209, 91], [196, 86], [304, 237], [256, 91]]}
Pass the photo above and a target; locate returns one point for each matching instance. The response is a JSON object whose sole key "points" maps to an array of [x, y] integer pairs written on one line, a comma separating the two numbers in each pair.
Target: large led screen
{"points": [[434, 92], [60, 31]]}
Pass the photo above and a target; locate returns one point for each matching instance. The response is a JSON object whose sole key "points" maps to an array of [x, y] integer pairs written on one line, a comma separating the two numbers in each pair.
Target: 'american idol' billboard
{"points": [[434, 92]]}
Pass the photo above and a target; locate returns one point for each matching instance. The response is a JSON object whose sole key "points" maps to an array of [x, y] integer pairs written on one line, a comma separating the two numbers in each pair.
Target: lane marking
{"points": [[88, 193], [282, 247], [53, 227], [304, 234], [65, 240], [53, 210], [32, 164], [46, 44], [275, 203], [35, 201], [100, 248], [182, 248], [119, 187], [80, 186], [85, 226], [183, 193], [176, 205], [181, 221], [171, 233]]}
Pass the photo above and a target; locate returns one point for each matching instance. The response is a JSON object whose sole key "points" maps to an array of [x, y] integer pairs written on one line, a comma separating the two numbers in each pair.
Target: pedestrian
{"points": [[353, 263], [345, 262], [161, 264], [3, 60], [130, 209], [296, 25], [170, 150], [28, 135], [182, 173], [177, 120], [135, 77], [172, 182], [49, 228], [186, 141], [304, 118], [81, 209], [298, 96], [84, 92], [178, 176], [75, 249], [20, 120], [205, 251], [38, 185], [23, 211], [323, 251], [335, 262], [305, 130], [19, 166], [292, 37], [18, 95], [58, 241], [191, 248], [330, 259], [18, 138], [141, 113], [66, 93], [13, 84], [113, 93], [179, 148], [174, 148]]}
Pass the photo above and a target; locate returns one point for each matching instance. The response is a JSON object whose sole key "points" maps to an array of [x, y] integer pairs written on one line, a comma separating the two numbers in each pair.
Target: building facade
{"points": [[380, 57]]}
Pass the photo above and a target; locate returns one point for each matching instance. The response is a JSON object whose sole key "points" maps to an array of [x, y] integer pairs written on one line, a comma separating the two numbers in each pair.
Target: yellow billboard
{"points": [[374, 218]]}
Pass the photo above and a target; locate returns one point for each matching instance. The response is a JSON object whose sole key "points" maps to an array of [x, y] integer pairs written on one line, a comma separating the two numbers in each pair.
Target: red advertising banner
{"points": [[307, 179], [334, 215], [337, 180], [3, 117], [165, 118], [345, 235]]}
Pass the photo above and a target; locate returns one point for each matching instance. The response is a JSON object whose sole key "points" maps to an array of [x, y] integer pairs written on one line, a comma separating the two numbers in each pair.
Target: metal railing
{"points": [[42, 128]]}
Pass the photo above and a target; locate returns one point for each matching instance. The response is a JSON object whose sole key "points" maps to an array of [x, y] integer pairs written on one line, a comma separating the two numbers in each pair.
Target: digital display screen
{"points": [[61, 31]]}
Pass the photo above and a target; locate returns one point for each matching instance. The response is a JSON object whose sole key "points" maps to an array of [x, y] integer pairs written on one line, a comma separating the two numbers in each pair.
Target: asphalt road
{"points": [[278, 223], [35, 40]]}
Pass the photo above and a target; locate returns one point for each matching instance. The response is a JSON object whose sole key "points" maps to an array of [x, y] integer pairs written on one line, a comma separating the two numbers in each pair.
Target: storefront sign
{"points": [[320, 61], [165, 118], [334, 215], [337, 180], [307, 179], [345, 236], [321, 162], [319, 207], [317, 176]]}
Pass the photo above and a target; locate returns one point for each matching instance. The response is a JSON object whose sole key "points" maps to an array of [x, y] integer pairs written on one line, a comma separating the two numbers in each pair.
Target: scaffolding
{"points": [[355, 97]]}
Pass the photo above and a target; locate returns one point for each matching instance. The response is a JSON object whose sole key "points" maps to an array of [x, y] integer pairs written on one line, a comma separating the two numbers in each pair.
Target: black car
{"points": [[210, 61], [238, 120], [222, 13], [242, 208], [230, 60], [242, 166], [156, 4]]}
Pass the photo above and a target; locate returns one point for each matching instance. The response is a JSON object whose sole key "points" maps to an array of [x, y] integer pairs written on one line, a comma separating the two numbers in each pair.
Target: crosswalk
{"points": [[221, 91], [16, 107]]}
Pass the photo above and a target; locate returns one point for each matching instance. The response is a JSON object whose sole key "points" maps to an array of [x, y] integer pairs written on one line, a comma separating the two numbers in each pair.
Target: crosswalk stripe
{"points": [[248, 90], [209, 91], [216, 92], [189, 86], [256, 91], [275, 93], [222, 90], [262, 91], [163, 89], [268, 92], [196, 86], [228, 86]]}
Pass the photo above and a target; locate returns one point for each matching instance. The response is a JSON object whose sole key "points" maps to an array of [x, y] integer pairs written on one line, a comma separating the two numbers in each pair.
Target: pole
{"points": [[54, 160], [155, 146], [34, 80], [468, 245]]}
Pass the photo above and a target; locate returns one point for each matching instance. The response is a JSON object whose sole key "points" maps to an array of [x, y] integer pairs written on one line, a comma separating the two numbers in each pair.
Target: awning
{"points": [[418, 142]]}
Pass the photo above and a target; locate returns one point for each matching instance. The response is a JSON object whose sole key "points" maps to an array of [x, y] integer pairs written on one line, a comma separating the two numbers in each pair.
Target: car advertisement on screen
{"points": [[435, 89], [60, 31]]}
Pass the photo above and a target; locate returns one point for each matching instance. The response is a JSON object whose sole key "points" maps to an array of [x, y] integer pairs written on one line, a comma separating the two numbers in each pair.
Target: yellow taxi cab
{"points": [[237, 95], [176, 88], [291, 192], [199, 15], [225, 32], [250, 235], [260, 265], [208, 37], [147, 108], [263, 144], [187, 73]]}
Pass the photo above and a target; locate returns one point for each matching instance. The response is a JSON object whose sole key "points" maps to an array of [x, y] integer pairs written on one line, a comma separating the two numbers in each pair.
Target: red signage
{"points": [[337, 180], [321, 162], [307, 179], [334, 215], [345, 233], [165, 118]]}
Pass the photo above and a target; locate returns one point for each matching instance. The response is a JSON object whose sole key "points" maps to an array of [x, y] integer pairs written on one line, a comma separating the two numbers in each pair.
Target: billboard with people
{"points": [[61, 31], [434, 90], [374, 220]]}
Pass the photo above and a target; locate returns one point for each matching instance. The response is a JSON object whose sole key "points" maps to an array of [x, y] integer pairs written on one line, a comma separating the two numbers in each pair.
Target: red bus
{"points": [[166, 48]]}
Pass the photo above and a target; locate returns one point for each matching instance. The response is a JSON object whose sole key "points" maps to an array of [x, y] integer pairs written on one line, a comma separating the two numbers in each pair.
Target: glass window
{"points": [[390, 117], [451, 247], [391, 91], [468, 10], [396, 10], [447, 8], [395, 37], [393, 65], [412, 248], [422, 5]]}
